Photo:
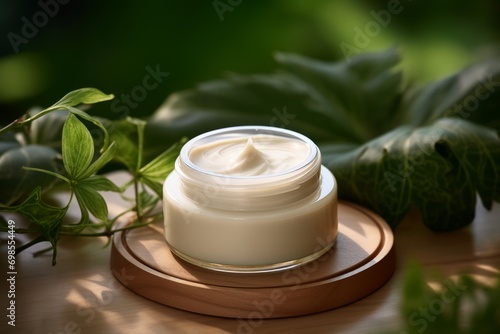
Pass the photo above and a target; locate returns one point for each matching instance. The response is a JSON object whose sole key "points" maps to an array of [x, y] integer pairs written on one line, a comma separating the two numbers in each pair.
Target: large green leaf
{"points": [[389, 147], [472, 94], [438, 168], [17, 183], [342, 102]]}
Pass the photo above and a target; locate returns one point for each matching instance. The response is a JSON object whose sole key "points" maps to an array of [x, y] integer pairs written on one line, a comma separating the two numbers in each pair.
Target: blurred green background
{"points": [[109, 44]]}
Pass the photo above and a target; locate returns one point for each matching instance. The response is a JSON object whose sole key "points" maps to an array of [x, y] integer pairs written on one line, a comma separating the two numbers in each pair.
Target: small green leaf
{"points": [[91, 200], [147, 199], [159, 168], [99, 183], [77, 147], [105, 157], [154, 185], [83, 96]]}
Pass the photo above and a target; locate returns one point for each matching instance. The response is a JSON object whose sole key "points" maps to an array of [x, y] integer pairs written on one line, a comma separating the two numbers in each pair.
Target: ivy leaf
{"points": [[389, 147], [48, 218]]}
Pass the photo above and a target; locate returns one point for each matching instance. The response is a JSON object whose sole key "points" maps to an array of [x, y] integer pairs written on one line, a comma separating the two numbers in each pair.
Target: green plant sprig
{"points": [[79, 174]]}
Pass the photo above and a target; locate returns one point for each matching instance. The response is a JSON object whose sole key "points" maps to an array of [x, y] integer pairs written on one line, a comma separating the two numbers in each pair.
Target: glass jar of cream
{"points": [[250, 199]]}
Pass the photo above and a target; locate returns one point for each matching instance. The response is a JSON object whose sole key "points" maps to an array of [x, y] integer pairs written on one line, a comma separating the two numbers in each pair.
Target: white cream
{"points": [[250, 199], [250, 156]]}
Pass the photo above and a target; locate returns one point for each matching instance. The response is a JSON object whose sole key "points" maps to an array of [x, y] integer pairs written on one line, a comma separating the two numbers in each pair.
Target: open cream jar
{"points": [[250, 199]]}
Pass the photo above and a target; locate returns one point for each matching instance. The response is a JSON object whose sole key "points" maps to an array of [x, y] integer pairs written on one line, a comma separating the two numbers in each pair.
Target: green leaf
{"points": [[159, 168], [472, 94], [148, 200], [124, 134], [345, 102], [352, 95], [77, 147], [90, 199], [154, 185], [99, 183], [48, 218], [154, 173], [388, 147], [83, 96], [79, 96], [95, 121], [433, 167], [105, 157]]}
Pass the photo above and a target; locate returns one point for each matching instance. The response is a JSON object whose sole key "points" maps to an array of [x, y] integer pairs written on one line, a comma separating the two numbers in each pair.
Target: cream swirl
{"points": [[256, 155]]}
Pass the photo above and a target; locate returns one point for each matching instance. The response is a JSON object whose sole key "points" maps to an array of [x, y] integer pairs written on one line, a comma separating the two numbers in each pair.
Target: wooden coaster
{"points": [[362, 260]]}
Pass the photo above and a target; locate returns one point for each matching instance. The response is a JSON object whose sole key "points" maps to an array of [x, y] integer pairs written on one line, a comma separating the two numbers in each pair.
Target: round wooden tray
{"points": [[361, 261]]}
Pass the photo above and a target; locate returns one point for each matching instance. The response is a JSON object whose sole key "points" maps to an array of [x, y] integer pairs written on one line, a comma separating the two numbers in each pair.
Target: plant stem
{"points": [[138, 206], [137, 175], [106, 233], [29, 244], [20, 121]]}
